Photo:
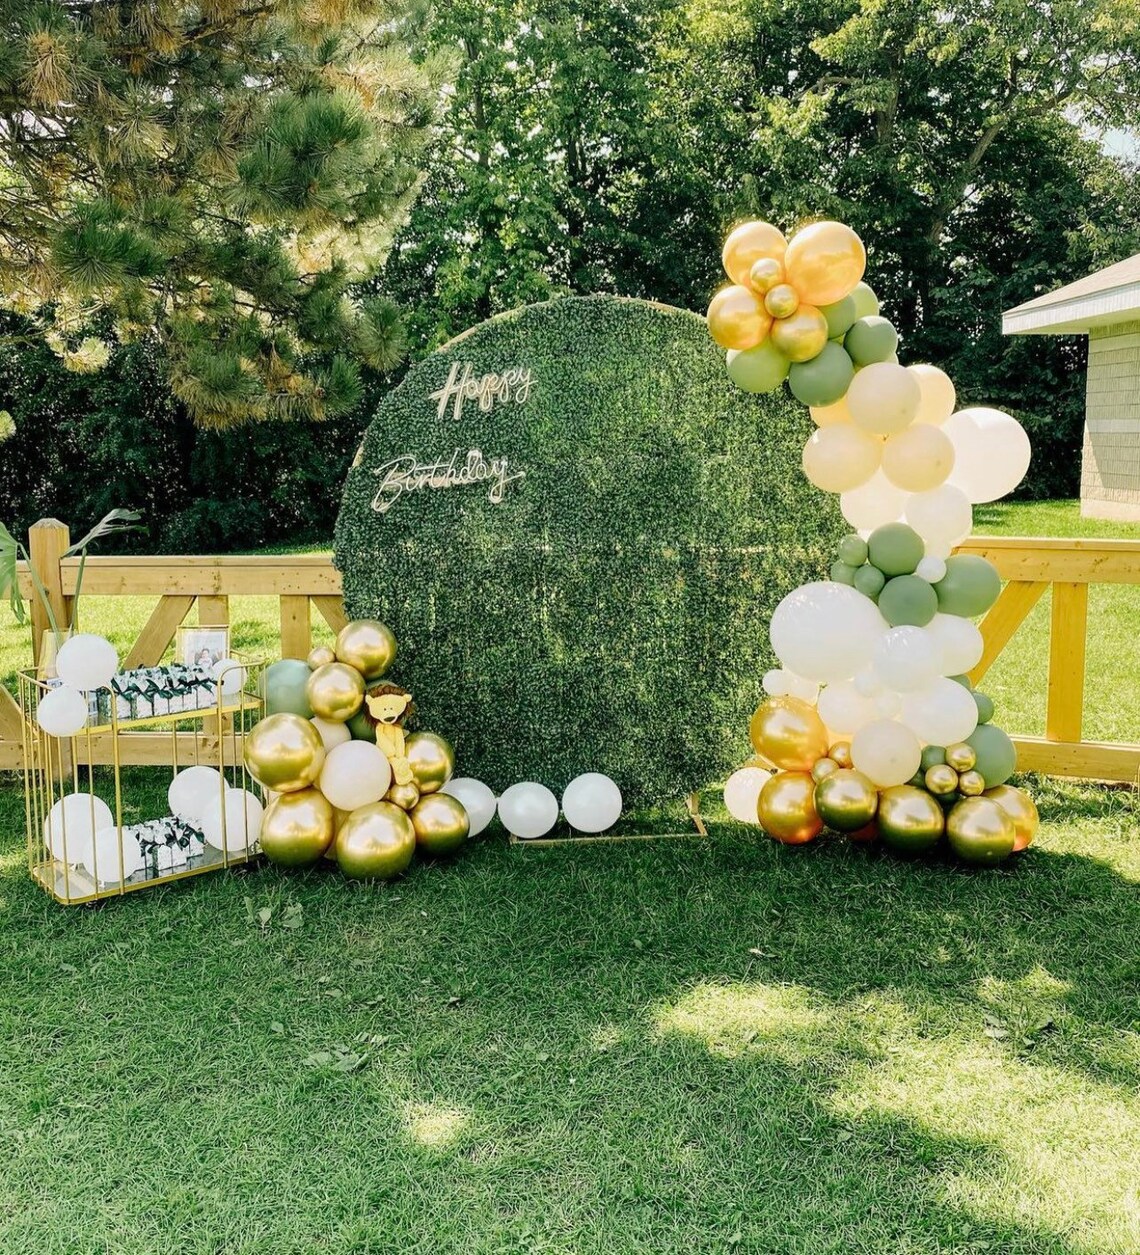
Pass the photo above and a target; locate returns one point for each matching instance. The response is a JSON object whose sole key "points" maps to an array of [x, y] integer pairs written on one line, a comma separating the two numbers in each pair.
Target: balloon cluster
{"points": [[345, 779], [872, 722]]}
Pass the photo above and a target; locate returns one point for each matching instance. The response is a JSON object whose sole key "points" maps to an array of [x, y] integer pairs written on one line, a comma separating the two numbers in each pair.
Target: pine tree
{"points": [[215, 174]]}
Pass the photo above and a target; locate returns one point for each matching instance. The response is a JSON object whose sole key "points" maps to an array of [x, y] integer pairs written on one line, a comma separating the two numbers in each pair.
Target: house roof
{"points": [[1110, 295]]}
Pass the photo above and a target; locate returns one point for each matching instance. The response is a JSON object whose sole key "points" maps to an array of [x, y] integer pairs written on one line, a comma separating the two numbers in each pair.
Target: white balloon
{"points": [[930, 569], [775, 683], [87, 662], [528, 810], [230, 674], [73, 822], [742, 793], [841, 457], [872, 504], [332, 734], [355, 774], [478, 800], [942, 517], [883, 398], [62, 712], [112, 861], [591, 802], [906, 658], [887, 753], [825, 631], [843, 708], [919, 458], [888, 704], [942, 713], [991, 452], [232, 823], [938, 397], [805, 690], [192, 790], [828, 415], [959, 642], [867, 682]]}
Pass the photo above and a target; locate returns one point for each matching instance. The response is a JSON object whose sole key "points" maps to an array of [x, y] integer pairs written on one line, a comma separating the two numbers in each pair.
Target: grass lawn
{"points": [[683, 1046]]}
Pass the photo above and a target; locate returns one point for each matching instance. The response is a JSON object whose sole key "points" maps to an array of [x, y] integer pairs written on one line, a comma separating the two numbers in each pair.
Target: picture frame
{"points": [[205, 645]]}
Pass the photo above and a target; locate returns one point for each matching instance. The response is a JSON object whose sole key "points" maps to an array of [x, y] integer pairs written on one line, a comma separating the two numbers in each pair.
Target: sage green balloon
{"points": [[932, 756], [825, 379], [871, 339], [866, 302], [869, 580], [997, 757], [970, 586], [360, 727], [839, 316], [895, 549], [762, 369], [853, 550], [985, 707], [964, 681], [285, 684], [907, 599], [843, 573]]}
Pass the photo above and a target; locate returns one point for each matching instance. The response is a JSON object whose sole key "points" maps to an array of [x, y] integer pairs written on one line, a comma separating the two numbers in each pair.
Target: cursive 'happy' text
{"points": [[462, 385], [405, 474]]}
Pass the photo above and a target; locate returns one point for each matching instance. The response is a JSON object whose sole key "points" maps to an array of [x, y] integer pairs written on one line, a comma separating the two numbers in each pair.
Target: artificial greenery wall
{"points": [[611, 612]]}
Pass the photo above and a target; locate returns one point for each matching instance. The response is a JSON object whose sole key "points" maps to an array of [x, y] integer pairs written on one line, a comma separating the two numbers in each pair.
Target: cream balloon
{"points": [[841, 457], [883, 398], [938, 398], [907, 658], [230, 674], [87, 662], [825, 631], [332, 734], [591, 802], [829, 415], [931, 569], [799, 686], [192, 789], [959, 642], [355, 774], [887, 753], [991, 453], [918, 458], [112, 860], [775, 683], [844, 709], [232, 823], [528, 810], [478, 800], [72, 823], [942, 517], [941, 713], [62, 712], [872, 504], [742, 793]]}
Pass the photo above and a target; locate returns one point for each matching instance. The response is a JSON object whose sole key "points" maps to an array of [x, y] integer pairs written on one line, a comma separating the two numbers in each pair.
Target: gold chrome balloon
{"points": [[865, 835], [841, 753], [786, 808], [846, 800], [941, 779], [782, 301], [909, 819], [297, 828], [335, 692], [405, 796], [284, 753], [961, 756], [823, 767], [1021, 808], [789, 733], [321, 656], [747, 244], [339, 818], [368, 645], [980, 831], [802, 335], [431, 759], [376, 841], [441, 824], [971, 783], [737, 319], [765, 274], [824, 262]]}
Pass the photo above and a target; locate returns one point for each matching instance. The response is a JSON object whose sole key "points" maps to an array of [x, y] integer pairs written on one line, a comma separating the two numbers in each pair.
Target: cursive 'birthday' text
{"points": [[405, 474]]}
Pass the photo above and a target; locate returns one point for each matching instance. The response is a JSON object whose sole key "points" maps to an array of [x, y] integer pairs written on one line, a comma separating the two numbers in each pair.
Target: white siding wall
{"points": [[1110, 463]]}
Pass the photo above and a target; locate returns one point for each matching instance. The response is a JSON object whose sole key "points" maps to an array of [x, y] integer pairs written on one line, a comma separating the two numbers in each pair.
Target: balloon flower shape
{"points": [[872, 726]]}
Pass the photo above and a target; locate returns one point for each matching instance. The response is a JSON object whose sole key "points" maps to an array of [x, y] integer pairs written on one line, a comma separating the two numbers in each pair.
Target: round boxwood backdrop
{"points": [[610, 612]]}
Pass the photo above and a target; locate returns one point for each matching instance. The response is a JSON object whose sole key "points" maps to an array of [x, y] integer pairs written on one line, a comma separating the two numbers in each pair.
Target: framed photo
{"points": [[203, 646]]}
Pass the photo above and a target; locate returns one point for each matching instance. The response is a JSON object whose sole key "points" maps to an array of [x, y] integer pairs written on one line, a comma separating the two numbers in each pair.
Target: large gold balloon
{"points": [[786, 808], [789, 733], [737, 318], [431, 759], [376, 841], [284, 753], [802, 335], [766, 274], [297, 828], [1021, 808], [980, 831], [747, 244], [405, 796], [441, 824], [782, 301], [335, 692], [320, 656], [368, 645], [846, 800], [909, 819], [824, 262]]}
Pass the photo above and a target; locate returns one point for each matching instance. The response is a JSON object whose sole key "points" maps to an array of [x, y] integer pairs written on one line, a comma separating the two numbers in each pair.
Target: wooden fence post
{"points": [[48, 541]]}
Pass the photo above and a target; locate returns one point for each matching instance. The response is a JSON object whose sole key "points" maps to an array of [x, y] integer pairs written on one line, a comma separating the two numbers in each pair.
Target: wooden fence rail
{"points": [[304, 582]]}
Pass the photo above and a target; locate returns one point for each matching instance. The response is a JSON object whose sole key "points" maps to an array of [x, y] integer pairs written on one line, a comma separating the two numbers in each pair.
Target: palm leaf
{"points": [[108, 525], [9, 581]]}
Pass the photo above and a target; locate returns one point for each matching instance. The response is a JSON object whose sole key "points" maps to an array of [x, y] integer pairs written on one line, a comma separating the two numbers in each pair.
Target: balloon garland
{"points": [[872, 724]]}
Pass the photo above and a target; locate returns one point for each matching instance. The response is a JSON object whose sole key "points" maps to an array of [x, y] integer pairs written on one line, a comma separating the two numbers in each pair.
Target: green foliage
{"points": [[610, 613]]}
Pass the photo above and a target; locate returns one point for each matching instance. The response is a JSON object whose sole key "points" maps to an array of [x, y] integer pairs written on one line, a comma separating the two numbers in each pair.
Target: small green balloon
{"points": [[985, 707], [823, 380], [963, 680], [907, 599], [970, 586], [997, 758], [866, 302], [843, 573], [869, 580], [871, 339], [895, 549], [839, 317], [762, 369], [285, 684], [853, 550], [932, 756], [361, 728]]}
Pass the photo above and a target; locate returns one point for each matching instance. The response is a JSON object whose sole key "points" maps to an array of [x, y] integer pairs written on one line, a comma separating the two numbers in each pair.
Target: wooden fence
{"points": [[302, 583]]}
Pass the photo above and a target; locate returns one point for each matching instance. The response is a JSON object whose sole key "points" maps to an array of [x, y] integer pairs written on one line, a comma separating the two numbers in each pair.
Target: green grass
{"points": [[683, 1046]]}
